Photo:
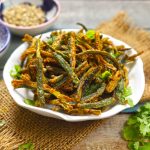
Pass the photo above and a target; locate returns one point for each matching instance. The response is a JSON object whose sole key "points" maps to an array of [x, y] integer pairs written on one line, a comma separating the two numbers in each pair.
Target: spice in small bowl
{"points": [[24, 15]]}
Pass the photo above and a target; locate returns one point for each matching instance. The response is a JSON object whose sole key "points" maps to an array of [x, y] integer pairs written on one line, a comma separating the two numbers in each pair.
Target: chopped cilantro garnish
{"points": [[26, 146], [137, 129], [105, 75], [90, 34], [15, 72], [29, 102]]}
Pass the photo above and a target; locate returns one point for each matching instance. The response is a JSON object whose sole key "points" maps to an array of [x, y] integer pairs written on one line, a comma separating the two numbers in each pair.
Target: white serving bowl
{"points": [[51, 16], [136, 82], [4, 39]]}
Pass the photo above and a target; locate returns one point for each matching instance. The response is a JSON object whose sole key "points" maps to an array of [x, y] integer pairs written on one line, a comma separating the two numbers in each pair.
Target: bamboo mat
{"points": [[51, 134]]}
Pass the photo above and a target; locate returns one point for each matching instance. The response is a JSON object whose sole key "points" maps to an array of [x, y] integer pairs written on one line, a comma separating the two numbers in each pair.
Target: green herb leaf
{"points": [[146, 146], [26, 146], [90, 34], [15, 72], [130, 133], [29, 102], [51, 39], [130, 102], [2, 122], [127, 91], [133, 145], [105, 75], [137, 129], [123, 92]]}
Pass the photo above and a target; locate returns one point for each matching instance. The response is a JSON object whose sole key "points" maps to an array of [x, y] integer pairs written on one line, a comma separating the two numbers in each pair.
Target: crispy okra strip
{"points": [[98, 43], [81, 47], [99, 104], [126, 75], [96, 94], [82, 111], [64, 47], [112, 84], [39, 77], [88, 75], [62, 97], [50, 60], [72, 49], [83, 37], [56, 79], [27, 52], [102, 53], [79, 71], [132, 58], [57, 43], [119, 92], [85, 44], [65, 56], [54, 70], [106, 64], [66, 67], [24, 84], [33, 85], [66, 106], [33, 51], [85, 63], [27, 38]]}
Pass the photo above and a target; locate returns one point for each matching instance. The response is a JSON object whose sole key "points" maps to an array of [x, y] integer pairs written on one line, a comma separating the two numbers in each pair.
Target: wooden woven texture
{"points": [[51, 134]]}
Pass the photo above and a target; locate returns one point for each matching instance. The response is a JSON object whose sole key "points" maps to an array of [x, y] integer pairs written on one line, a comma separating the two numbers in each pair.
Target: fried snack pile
{"points": [[76, 73]]}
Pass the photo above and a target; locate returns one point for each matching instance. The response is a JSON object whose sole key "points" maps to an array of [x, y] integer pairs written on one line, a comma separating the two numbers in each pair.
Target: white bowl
{"points": [[51, 17], [136, 81], [4, 39]]}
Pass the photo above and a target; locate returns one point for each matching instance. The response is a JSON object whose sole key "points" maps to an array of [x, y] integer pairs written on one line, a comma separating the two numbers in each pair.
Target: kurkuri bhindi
{"points": [[76, 73]]}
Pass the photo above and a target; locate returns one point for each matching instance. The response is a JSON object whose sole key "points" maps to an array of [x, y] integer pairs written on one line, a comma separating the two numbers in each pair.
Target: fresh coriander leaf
{"points": [[133, 145], [137, 129], [90, 34], [113, 55], [130, 133], [17, 68], [144, 129], [15, 72], [29, 102], [145, 107], [127, 91], [145, 146], [105, 75], [51, 40], [130, 102], [2, 122], [26, 146], [132, 120]]}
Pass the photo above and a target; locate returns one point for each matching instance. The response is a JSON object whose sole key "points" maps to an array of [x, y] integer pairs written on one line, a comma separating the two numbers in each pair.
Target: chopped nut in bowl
{"points": [[29, 17]]}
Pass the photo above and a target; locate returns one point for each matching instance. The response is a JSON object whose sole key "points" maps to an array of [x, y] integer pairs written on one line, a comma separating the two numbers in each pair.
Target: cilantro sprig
{"points": [[26, 146], [137, 129], [16, 72]]}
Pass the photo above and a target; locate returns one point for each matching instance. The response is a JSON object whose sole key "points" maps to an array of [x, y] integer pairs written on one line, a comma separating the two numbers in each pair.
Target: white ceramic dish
{"points": [[136, 81], [51, 16], [4, 39]]}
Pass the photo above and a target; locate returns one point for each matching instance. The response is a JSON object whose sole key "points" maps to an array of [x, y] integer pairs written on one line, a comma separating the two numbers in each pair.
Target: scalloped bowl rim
{"points": [[37, 26], [140, 80], [8, 39]]}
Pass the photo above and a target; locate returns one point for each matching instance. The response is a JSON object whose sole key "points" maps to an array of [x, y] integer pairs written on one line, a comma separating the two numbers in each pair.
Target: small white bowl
{"points": [[51, 16], [4, 39], [136, 82]]}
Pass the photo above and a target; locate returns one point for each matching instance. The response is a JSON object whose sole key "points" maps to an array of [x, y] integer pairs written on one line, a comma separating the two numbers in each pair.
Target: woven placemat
{"points": [[51, 134]]}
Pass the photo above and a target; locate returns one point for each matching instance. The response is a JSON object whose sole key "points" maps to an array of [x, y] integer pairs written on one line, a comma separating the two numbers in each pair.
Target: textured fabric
{"points": [[51, 134]]}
